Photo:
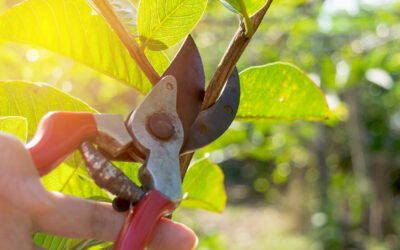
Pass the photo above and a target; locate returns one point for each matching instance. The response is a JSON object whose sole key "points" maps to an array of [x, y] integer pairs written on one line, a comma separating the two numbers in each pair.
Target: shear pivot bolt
{"points": [[161, 126]]}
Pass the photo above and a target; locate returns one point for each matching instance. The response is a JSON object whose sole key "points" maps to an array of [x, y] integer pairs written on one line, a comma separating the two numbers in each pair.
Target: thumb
{"points": [[19, 181]]}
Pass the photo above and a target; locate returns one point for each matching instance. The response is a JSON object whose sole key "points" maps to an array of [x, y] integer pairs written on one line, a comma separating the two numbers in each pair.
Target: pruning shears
{"points": [[167, 124]]}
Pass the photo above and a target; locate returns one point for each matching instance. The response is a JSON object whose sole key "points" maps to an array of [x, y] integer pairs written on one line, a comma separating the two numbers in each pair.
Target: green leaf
{"points": [[72, 29], [34, 100], [15, 125], [71, 181], [56, 242], [203, 187], [49, 241], [163, 23], [30, 101], [280, 91], [130, 169], [252, 6], [82, 244]]}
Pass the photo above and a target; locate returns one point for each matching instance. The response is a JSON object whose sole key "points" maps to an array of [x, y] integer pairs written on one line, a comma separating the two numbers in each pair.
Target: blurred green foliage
{"points": [[340, 180]]}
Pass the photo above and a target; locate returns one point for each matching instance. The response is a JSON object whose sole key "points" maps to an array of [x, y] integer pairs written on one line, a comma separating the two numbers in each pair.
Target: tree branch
{"points": [[127, 39], [225, 67], [231, 57]]}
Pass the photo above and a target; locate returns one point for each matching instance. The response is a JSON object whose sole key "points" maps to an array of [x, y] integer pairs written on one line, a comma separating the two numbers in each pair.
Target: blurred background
{"points": [[290, 184]]}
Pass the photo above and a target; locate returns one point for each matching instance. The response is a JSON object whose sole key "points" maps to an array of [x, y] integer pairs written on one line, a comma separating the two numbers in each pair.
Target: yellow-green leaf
{"points": [[34, 100], [163, 23], [130, 169], [30, 101], [15, 125], [280, 91], [71, 181], [203, 187], [72, 29]]}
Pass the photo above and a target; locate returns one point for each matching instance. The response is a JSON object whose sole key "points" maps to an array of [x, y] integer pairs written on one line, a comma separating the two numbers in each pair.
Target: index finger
{"points": [[80, 218]]}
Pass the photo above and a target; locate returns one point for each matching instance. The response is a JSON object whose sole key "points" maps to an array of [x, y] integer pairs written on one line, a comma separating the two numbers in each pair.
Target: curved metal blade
{"points": [[214, 121], [187, 68]]}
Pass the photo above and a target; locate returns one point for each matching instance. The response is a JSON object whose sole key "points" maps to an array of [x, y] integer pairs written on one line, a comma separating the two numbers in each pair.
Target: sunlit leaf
{"points": [[81, 244], [56, 242], [203, 187], [49, 241], [252, 6], [71, 28], [68, 180], [15, 125], [34, 100], [162, 24], [130, 169], [280, 91]]}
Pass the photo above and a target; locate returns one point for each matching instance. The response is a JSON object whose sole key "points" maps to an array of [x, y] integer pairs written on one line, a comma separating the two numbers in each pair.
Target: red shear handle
{"points": [[57, 136], [139, 225]]}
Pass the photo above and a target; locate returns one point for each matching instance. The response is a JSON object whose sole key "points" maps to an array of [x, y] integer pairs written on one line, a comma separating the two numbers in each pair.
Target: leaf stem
{"points": [[127, 39], [225, 67], [247, 22]]}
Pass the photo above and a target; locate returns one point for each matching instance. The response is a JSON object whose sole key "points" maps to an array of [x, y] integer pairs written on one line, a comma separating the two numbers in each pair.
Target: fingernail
{"points": [[39, 194]]}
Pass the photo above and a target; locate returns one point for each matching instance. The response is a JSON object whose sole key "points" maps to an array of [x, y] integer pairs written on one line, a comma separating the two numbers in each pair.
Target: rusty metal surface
{"points": [[108, 176]]}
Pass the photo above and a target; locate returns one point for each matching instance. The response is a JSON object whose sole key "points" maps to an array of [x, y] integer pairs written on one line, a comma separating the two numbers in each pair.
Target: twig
{"points": [[225, 67], [231, 57], [127, 39]]}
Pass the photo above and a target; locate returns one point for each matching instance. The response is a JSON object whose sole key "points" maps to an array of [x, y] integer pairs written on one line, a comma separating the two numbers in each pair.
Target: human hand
{"points": [[26, 206]]}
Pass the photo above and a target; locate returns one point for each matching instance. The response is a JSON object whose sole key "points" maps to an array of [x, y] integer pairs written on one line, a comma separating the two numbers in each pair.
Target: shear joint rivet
{"points": [[161, 126]]}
